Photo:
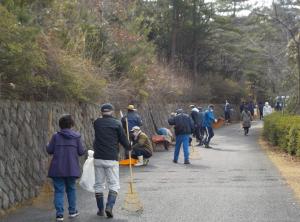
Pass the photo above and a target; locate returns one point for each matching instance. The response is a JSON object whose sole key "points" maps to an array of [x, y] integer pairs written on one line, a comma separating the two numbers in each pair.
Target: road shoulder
{"points": [[288, 166]]}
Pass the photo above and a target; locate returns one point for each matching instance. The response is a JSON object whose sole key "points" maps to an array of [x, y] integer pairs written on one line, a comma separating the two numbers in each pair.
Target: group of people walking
{"points": [[66, 147], [247, 113], [198, 123]]}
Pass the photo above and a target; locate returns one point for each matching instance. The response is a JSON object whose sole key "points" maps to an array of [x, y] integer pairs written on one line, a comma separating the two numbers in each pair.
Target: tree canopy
{"points": [[84, 50]]}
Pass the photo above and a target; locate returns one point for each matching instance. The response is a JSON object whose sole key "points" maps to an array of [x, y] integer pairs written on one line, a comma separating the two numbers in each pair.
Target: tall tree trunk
{"points": [[234, 8], [298, 66], [195, 49], [174, 33]]}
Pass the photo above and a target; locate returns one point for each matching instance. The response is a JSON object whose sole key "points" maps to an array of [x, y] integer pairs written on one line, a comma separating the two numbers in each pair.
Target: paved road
{"points": [[233, 182]]}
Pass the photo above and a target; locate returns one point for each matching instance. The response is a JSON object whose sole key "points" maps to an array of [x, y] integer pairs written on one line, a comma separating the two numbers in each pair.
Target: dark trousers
{"points": [[197, 133], [227, 116], [140, 152], [209, 134], [166, 144], [261, 116], [246, 130]]}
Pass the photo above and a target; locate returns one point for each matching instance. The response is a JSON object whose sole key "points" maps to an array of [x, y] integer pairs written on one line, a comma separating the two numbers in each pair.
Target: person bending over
{"points": [[141, 147]]}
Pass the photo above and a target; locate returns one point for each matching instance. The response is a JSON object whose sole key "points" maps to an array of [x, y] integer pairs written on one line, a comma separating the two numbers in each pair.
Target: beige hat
{"points": [[130, 107]]}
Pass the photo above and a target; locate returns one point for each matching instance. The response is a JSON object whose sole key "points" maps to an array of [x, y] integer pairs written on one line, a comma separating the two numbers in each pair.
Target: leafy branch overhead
{"points": [[133, 50]]}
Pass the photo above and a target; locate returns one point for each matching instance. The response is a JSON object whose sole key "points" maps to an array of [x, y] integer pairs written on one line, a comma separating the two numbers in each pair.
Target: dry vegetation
{"points": [[288, 166]]}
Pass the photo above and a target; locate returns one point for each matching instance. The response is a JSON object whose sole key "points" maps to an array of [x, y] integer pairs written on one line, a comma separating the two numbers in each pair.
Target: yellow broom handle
{"points": [[130, 166]]}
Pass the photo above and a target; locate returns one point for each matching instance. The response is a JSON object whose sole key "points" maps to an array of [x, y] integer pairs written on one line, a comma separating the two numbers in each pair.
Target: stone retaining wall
{"points": [[25, 129]]}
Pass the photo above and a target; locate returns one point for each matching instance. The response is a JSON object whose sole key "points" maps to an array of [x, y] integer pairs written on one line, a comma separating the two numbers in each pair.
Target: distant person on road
{"points": [[242, 106], [184, 126], [278, 106], [261, 108], [141, 147], [65, 146], [133, 118], [168, 136], [267, 110], [197, 124], [202, 129], [109, 133], [251, 108], [227, 109], [246, 121], [209, 119]]}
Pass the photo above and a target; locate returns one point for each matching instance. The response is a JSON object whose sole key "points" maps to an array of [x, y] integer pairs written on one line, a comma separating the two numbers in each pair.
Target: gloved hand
{"points": [[216, 120]]}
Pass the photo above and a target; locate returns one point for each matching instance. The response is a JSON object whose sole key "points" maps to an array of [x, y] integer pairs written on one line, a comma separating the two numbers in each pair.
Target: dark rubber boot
{"points": [[100, 203], [111, 200]]}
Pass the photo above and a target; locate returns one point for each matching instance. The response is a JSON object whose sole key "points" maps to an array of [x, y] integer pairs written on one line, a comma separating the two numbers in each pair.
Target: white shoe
{"points": [[73, 215], [140, 162]]}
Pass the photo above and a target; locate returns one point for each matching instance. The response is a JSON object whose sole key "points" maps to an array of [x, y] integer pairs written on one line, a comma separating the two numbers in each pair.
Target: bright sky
{"points": [[261, 2], [255, 3]]}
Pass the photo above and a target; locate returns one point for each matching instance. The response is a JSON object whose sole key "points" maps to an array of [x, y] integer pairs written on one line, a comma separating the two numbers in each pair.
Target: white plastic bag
{"points": [[87, 179]]}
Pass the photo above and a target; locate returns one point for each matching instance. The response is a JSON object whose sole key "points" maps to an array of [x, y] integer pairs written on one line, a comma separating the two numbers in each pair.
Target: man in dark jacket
{"points": [[202, 129], [261, 108], [184, 126], [251, 107], [133, 118], [227, 109], [108, 134], [195, 115], [242, 106]]}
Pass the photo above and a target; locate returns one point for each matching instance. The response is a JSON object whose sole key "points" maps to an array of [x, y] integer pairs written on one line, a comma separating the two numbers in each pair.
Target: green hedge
{"points": [[283, 131]]}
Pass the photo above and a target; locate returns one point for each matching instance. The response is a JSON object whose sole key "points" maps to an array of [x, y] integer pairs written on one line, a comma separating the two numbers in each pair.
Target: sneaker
{"points": [[174, 161], [187, 162], [207, 146], [60, 218], [139, 164], [74, 214]]}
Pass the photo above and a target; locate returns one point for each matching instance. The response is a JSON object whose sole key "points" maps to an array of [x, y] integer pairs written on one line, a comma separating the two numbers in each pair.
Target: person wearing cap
{"points": [[133, 118], [184, 126], [141, 147], [109, 133], [208, 120], [267, 110]]}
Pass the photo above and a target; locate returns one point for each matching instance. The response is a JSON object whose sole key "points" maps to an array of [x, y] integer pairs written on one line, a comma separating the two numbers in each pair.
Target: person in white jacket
{"points": [[267, 110]]}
